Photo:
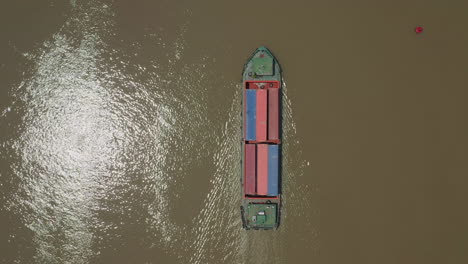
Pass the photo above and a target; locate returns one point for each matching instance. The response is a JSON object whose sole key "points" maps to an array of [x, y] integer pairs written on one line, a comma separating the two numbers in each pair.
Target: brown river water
{"points": [[119, 131]]}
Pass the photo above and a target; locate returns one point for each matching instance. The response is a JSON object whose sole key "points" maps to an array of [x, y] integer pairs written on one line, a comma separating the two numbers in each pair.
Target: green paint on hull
{"points": [[262, 66]]}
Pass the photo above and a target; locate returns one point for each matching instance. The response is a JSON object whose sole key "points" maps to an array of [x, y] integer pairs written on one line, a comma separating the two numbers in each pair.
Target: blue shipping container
{"points": [[251, 114], [273, 170]]}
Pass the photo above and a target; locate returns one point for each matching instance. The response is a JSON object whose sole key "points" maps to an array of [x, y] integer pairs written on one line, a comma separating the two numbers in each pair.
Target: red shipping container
{"points": [[250, 161], [273, 114], [262, 169], [261, 115]]}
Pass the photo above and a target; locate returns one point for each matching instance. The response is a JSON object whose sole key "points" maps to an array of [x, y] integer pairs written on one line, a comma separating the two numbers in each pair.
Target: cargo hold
{"points": [[262, 169], [250, 115], [250, 161], [273, 169], [261, 115], [273, 114]]}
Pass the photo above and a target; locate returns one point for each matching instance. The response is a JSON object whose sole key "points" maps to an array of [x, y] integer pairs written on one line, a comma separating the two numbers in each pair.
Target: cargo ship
{"points": [[261, 142]]}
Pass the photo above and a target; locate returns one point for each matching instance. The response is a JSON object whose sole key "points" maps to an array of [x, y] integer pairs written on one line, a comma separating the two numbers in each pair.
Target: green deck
{"points": [[261, 215], [262, 64]]}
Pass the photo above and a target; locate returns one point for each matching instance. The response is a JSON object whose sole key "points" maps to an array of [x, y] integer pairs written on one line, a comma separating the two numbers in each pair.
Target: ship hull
{"points": [[261, 142]]}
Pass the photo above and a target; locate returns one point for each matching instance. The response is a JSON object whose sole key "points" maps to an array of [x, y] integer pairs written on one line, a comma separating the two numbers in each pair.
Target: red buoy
{"points": [[419, 30]]}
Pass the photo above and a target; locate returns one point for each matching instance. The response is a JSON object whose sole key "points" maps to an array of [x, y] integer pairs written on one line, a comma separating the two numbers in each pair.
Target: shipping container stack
{"points": [[262, 139]]}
